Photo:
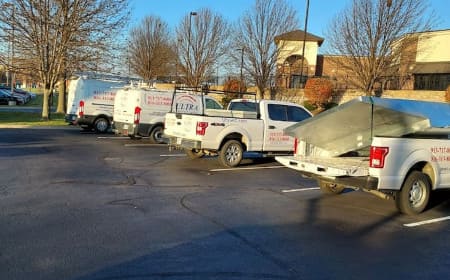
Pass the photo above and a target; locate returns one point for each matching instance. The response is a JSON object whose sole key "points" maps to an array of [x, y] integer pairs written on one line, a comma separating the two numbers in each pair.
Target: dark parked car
{"points": [[21, 96], [5, 98]]}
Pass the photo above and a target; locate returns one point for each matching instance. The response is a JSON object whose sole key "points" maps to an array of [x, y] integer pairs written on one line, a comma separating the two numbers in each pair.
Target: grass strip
{"points": [[25, 118]]}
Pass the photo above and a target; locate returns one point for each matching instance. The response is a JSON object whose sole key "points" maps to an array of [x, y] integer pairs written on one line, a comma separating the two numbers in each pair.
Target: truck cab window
{"points": [[212, 104], [296, 114], [277, 112]]}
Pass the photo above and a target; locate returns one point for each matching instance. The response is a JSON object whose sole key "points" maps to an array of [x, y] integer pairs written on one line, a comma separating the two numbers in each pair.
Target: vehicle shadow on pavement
{"points": [[285, 252]]}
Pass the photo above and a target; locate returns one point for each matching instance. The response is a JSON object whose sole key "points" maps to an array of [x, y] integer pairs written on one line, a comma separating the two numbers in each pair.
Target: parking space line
{"points": [[437, 220], [300, 190], [173, 155], [245, 168]]}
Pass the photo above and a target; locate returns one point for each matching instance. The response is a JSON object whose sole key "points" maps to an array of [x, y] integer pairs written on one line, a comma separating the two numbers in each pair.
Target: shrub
{"points": [[318, 91], [232, 85], [309, 106]]}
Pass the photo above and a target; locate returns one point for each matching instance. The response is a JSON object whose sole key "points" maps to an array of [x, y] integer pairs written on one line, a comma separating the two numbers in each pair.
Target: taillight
{"points": [[137, 115], [378, 156], [201, 128], [81, 108], [295, 145]]}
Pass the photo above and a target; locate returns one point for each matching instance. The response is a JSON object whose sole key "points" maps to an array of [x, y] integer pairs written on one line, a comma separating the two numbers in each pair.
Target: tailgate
{"points": [[181, 125], [328, 167]]}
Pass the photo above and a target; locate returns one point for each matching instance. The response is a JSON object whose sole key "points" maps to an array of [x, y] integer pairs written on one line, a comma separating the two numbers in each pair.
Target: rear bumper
{"points": [[125, 129], [363, 182], [353, 177], [184, 143]]}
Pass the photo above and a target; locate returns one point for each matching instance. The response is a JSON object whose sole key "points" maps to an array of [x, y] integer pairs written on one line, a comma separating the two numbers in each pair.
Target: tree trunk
{"points": [[46, 105], [61, 96]]}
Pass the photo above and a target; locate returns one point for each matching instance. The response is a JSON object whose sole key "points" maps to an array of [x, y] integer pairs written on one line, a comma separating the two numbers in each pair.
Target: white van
{"points": [[90, 102], [140, 112]]}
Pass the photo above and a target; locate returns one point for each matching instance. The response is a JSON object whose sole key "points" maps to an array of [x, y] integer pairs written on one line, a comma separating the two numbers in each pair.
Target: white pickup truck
{"points": [[395, 149], [247, 125]]}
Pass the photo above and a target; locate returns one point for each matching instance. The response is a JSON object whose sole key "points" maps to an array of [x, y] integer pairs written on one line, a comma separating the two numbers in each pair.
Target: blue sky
{"points": [[320, 11]]}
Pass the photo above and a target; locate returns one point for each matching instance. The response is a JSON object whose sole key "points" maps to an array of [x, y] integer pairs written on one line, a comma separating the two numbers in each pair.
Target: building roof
{"points": [[432, 68], [299, 35]]}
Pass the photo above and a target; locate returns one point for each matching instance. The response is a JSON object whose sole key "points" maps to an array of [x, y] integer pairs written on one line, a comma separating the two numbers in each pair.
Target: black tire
{"points": [[231, 153], [156, 136], [414, 195], [330, 188], [194, 153], [101, 125]]}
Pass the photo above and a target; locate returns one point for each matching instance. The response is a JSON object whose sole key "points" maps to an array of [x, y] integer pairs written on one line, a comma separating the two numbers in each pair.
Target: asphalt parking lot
{"points": [[85, 206]]}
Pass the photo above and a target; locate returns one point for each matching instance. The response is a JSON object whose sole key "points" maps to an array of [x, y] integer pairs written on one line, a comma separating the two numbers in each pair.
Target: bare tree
{"points": [[53, 36], [368, 34], [255, 34], [150, 51], [202, 39]]}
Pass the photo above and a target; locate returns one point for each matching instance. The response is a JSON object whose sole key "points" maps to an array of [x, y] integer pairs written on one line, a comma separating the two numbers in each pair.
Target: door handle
{"points": [[271, 127]]}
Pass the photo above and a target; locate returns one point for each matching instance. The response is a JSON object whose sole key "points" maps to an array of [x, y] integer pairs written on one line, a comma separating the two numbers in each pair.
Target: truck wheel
{"points": [[231, 153], [194, 153], [101, 125], [156, 136], [330, 188], [414, 194]]}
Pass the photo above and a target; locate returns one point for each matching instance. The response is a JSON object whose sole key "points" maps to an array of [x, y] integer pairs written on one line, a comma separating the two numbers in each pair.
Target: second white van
{"points": [[140, 112]]}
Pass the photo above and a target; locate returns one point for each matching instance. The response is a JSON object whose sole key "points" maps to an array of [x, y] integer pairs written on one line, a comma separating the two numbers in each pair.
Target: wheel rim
{"points": [[158, 135], [102, 125], [233, 154], [417, 195]]}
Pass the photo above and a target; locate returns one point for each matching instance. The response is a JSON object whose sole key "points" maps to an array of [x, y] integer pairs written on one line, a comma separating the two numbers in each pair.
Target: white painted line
{"points": [[300, 190], [173, 155], [245, 168], [437, 220]]}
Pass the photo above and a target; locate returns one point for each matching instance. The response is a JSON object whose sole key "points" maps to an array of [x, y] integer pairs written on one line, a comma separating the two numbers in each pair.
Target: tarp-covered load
{"points": [[352, 125]]}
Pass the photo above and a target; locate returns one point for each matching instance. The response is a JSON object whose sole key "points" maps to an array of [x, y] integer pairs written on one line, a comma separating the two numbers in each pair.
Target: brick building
{"points": [[423, 65]]}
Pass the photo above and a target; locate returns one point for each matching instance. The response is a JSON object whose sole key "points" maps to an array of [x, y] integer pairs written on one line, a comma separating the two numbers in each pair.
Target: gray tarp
{"points": [[352, 125]]}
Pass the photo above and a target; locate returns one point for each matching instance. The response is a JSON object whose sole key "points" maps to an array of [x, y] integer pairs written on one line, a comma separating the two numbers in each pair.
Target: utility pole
{"points": [[304, 43], [188, 61]]}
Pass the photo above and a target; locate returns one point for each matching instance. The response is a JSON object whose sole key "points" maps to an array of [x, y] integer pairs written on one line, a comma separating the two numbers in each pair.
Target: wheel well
{"points": [[104, 117], [425, 168], [155, 126], [233, 136]]}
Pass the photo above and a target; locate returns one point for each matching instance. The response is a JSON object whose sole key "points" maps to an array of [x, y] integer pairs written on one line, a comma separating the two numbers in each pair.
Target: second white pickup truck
{"points": [[248, 125], [396, 149]]}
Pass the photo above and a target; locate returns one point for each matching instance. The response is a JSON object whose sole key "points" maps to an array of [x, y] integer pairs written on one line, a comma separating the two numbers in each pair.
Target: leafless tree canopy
{"points": [[202, 39], [255, 33], [52, 36], [150, 51], [366, 32]]}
